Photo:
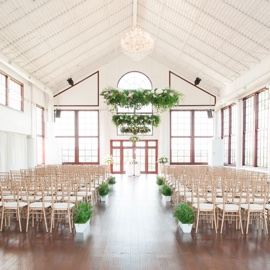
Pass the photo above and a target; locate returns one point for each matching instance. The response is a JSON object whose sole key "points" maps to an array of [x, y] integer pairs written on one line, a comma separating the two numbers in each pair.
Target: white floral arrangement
{"points": [[133, 161], [162, 160], [108, 160]]}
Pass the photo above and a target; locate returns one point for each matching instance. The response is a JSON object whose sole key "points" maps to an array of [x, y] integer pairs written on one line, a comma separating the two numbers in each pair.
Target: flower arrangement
{"points": [[134, 119], [133, 161], [135, 129], [108, 160], [161, 99], [162, 160], [134, 139]]}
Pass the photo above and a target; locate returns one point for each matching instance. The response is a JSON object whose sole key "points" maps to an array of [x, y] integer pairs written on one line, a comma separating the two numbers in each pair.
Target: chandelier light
{"points": [[137, 44]]}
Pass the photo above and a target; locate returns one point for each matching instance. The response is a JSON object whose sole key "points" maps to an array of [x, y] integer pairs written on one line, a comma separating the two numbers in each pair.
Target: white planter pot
{"points": [[166, 198], [80, 228], [186, 228], [111, 187], [103, 198]]}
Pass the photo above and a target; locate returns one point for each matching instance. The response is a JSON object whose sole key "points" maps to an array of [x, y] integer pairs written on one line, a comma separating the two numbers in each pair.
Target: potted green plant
{"points": [[160, 180], [185, 215], [166, 192], [83, 212], [111, 181], [103, 191]]}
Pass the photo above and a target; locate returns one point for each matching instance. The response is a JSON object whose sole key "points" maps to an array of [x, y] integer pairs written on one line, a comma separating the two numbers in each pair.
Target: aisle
{"points": [[135, 228]]}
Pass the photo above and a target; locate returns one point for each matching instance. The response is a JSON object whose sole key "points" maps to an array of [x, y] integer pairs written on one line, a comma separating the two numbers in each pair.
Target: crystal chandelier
{"points": [[137, 44]]}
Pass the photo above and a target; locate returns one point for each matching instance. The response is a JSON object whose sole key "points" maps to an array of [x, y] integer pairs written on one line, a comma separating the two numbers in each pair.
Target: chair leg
{"points": [[248, 217], [2, 218], [45, 221], [197, 222], [19, 219], [222, 222]]}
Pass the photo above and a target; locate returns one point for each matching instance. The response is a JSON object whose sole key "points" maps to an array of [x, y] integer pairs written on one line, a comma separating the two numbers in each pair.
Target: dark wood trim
{"points": [[215, 98], [96, 105]]}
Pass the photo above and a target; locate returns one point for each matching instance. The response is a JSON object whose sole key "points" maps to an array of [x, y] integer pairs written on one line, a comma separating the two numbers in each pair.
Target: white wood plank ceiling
{"points": [[216, 40]]}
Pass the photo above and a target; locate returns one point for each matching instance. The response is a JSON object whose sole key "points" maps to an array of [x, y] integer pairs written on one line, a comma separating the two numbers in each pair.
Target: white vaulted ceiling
{"points": [[217, 40]]}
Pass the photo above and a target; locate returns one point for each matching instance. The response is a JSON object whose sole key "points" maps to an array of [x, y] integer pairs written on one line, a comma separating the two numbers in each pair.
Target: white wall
{"points": [[109, 75], [20, 127]]}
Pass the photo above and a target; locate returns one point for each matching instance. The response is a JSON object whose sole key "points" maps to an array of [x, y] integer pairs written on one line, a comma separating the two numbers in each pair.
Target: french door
{"points": [[144, 152]]}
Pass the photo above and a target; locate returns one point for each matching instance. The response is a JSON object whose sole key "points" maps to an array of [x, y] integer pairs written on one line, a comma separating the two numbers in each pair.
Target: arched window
{"points": [[131, 81], [134, 80]]}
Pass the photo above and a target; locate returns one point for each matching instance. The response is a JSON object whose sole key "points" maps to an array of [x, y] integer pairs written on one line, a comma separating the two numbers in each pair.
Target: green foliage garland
{"points": [[134, 119], [162, 100], [135, 129]]}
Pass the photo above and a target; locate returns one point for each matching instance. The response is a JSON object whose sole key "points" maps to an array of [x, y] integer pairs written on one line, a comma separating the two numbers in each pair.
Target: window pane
{"points": [[68, 149], [248, 130], [3, 88], [40, 135], [65, 126], [152, 160], [201, 149], [116, 159], [134, 80], [15, 95], [180, 149], [88, 150], [180, 123], [203, 125], [88, 123], [263, 120]]}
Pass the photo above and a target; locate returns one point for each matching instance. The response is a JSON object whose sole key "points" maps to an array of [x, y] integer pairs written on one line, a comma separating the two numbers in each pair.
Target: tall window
{"points": [[191, 132], [40, 135], [3, 89], [78, 135], [255, 130], [11, 92], [229, 134], [131, 81]]}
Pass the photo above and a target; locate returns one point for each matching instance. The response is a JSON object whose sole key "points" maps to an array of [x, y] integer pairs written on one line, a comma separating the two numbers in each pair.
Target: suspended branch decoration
{"points": [[161, 100], [136, 119]]}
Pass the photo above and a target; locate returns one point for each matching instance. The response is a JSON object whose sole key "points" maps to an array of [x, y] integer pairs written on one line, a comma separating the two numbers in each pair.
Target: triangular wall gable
{"points": [[193, 95], [83, 93]]}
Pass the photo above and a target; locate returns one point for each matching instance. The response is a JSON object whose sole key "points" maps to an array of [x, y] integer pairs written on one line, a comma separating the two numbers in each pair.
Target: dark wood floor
{"points": [[134, 230]]}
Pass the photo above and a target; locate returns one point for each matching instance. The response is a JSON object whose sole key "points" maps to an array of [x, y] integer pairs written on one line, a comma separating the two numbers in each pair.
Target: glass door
{"points": [[144, 152]]}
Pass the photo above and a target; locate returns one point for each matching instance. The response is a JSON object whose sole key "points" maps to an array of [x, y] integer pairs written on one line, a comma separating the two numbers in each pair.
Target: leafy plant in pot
{"points": [[166, 191], [103, 191], [160, 180], [111, 181], [83, 211], [185, 215]]}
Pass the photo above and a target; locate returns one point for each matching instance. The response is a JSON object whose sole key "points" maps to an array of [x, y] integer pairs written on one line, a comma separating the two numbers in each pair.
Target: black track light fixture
{"points": [[70, 81], [197, 81]]}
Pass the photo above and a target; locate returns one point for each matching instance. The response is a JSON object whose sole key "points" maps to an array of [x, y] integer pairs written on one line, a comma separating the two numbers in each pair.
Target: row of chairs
{"points": [[220, 195], [48, 192]]}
